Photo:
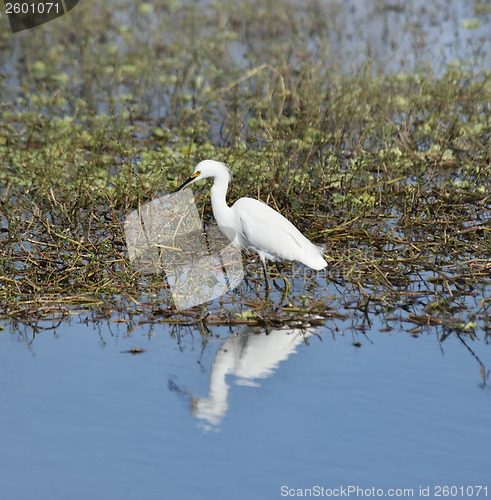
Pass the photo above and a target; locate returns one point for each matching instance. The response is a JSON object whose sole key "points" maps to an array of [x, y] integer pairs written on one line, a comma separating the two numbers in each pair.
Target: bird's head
{"points": [[205, 169]]}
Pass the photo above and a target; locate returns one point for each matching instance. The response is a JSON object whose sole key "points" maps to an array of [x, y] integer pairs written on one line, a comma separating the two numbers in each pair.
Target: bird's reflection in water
{"points": [[249, 356]]}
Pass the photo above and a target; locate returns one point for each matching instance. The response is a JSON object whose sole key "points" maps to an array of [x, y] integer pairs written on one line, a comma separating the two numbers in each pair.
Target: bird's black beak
{"points": [[189, 181], [183, 185]]}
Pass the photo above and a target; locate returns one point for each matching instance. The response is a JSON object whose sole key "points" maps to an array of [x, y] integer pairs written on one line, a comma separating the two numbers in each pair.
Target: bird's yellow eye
{"points": [[196, 174]]}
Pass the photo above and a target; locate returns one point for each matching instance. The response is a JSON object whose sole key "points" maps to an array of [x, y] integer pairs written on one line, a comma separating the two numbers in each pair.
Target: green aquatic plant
{"points": [[388, 170]]}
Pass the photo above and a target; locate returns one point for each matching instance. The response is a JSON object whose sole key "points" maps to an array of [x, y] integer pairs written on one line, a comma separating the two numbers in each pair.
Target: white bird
{"points": [[249, 356], [253, 225]]}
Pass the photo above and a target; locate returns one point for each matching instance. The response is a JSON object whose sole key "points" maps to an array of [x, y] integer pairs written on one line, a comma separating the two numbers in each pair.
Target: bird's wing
{"points": [[266, 231]]}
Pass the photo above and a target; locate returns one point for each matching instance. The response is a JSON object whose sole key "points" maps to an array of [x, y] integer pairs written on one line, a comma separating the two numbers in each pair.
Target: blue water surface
{"points": [[81, 418]]}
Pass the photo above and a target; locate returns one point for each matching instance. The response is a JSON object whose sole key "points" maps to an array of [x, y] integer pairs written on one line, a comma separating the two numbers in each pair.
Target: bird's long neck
{"points": [[222, 212]]}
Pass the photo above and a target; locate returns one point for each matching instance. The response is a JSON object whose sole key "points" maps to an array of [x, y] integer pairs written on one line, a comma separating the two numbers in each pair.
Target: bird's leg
{"points": [[268, 287], [288, 286]]}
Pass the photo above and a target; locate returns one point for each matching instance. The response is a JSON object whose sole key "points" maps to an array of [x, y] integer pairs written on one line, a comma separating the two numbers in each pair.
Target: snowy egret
{"points": [[253, 225], [249, 356]]}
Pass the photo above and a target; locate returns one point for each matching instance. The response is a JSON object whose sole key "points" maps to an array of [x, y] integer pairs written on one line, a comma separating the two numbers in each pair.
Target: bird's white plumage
{"points": [[274, 237], [254, 225]]}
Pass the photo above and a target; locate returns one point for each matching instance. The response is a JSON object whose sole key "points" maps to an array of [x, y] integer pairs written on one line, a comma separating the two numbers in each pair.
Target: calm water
{"points": [[240, 416]]}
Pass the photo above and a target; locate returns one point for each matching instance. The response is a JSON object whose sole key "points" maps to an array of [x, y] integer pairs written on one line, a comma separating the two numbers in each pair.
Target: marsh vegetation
{"points": [[385, 163]]}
